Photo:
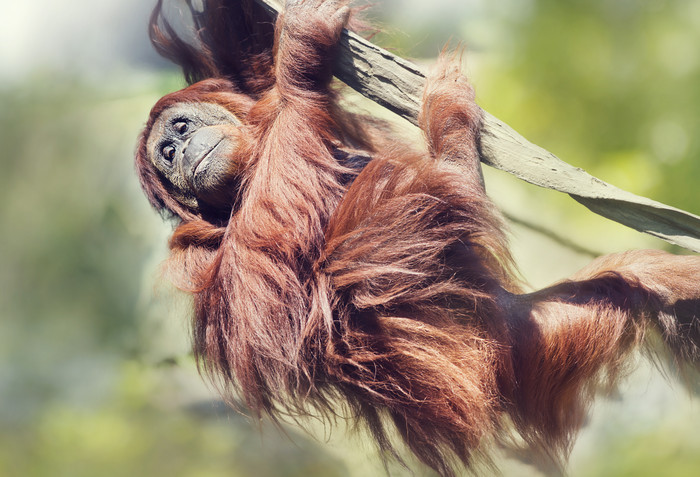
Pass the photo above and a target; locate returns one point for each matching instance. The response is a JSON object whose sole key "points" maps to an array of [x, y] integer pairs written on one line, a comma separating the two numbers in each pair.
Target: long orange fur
{"points": [[387, 293]]}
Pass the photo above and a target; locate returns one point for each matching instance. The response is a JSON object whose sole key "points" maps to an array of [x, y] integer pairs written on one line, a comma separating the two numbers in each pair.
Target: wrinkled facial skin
{"points": [[191, 145]]}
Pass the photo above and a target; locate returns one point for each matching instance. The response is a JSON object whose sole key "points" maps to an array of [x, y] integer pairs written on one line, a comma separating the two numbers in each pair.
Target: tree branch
{"points": [[397, 85]]}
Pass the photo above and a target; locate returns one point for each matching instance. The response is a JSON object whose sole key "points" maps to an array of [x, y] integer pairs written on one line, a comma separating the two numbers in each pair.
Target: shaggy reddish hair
{"points": [[383, 289]]}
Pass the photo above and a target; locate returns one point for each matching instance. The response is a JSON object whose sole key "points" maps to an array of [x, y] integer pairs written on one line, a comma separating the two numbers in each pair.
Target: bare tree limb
{"points": [[397, 85]]}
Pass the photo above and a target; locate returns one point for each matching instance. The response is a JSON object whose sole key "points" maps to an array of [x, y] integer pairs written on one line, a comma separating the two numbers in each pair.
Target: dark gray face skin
{"points": [[191, 145]]}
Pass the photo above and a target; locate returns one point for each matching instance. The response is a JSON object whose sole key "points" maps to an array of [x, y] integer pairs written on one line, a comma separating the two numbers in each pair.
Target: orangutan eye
{"points": [[168, 152], [181, 127]]}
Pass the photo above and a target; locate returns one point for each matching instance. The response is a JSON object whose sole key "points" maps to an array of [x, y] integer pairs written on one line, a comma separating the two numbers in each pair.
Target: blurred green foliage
{"points": [[94, 373], [613, 86]]}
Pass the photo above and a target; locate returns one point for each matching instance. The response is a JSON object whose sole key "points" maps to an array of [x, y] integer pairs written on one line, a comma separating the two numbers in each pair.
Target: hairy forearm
{"points": [[306, 38]]}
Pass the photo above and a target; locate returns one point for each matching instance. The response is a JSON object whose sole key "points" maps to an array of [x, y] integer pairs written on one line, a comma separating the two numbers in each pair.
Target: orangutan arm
{"points": [[307, 33]]}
